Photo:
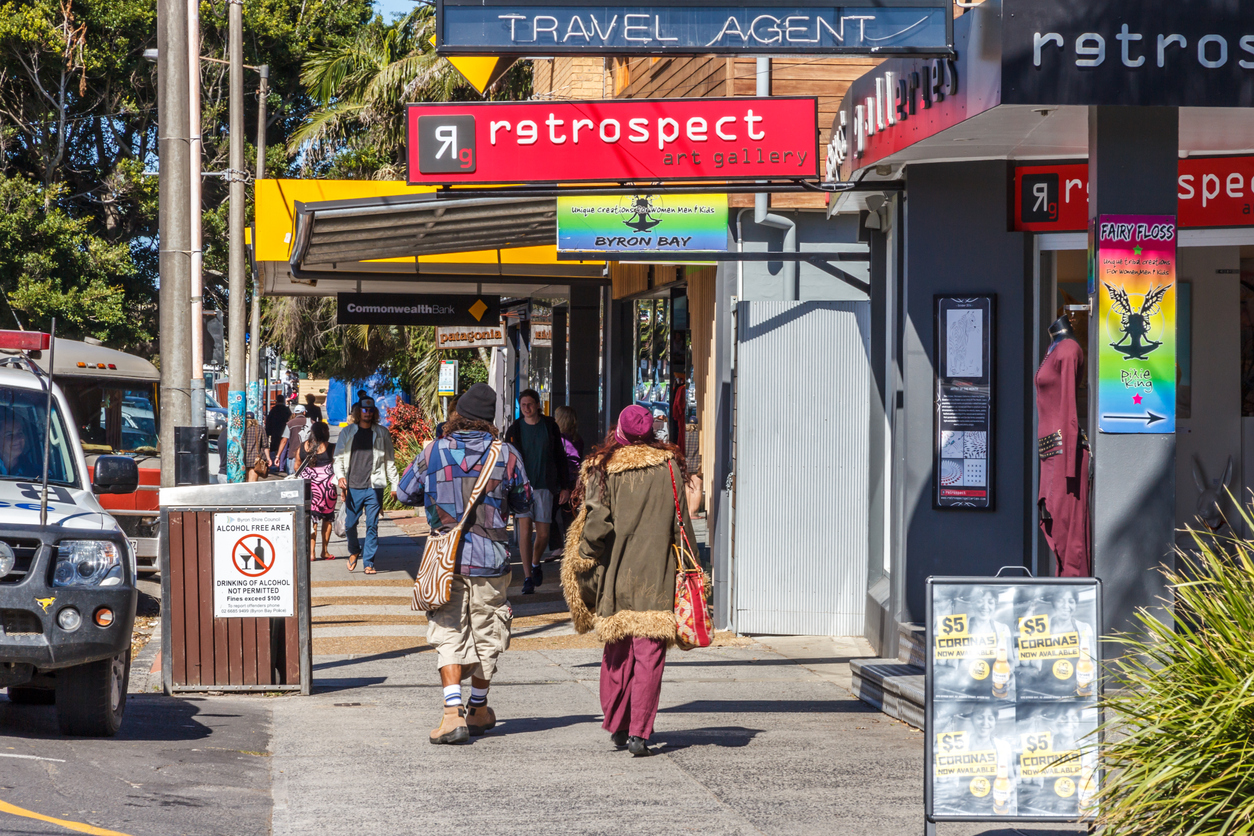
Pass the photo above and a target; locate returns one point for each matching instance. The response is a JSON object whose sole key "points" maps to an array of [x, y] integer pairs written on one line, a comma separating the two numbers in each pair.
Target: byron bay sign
{"points": [[694, 27], [622, 140]]}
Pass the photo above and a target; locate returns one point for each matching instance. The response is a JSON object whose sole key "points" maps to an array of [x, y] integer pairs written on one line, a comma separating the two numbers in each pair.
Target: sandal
{"points": [[352, 562], [327, 556], [369, 570]]}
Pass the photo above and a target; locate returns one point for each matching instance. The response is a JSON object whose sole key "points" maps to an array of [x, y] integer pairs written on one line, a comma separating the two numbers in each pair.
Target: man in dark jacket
{"points": [[539, 440], [276, 423]]}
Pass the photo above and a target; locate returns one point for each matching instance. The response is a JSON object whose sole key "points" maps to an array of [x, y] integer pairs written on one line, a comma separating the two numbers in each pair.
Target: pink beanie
{"points": [[635, 424]]}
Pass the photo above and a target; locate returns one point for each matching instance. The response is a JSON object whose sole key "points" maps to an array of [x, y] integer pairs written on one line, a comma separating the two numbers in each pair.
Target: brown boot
{"points": [[452, 728], [480, 719]]}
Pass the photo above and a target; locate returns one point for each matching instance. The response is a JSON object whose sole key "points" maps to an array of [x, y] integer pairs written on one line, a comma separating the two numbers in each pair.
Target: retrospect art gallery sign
{"points": [[742, 138], [694, 27], [642, 223]]}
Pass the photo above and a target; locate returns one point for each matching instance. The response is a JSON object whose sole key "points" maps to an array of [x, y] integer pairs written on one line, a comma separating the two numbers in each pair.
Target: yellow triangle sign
{"points": [[480, 71]]}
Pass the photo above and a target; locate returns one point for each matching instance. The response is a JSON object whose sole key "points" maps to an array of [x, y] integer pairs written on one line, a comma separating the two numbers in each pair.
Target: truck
{"points": [[113, 404], [67, 570]]}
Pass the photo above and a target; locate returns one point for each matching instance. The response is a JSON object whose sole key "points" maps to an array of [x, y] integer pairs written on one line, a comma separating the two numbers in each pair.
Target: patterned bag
{"points": [[439, 558], [693, 624]]}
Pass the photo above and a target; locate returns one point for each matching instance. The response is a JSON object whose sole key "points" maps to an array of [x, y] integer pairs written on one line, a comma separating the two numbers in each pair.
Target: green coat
{"points": [[618, 570]]}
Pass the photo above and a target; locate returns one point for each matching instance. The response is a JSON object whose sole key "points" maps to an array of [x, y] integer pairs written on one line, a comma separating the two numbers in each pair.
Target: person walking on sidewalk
{"points": [[364, 465], [618, 572], [540, 441], [472, 630], [315, 464]]}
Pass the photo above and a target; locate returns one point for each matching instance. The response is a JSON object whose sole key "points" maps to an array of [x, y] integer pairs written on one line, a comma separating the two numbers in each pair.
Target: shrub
{"points": [[1179, 728], [410, 430]]}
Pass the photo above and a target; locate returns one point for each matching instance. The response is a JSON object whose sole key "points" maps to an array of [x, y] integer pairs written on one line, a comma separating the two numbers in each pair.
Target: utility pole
{"points": [[237, 313], [173, 224], [254, 338], [196, 380]]}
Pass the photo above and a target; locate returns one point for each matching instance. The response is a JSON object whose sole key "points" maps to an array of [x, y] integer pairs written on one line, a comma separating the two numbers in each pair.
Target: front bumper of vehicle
{"points": [[30, 606]]}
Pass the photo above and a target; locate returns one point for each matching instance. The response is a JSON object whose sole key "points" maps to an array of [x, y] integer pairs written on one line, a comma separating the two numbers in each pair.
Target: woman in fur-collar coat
{"points": [[618, 570]]}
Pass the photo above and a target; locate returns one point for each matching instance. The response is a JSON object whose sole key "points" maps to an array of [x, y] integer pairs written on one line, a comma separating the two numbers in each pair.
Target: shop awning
{"points": [[323, 237], [337, 231]]}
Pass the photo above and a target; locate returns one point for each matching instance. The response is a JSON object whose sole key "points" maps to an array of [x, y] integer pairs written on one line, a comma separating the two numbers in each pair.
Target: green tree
{"points": [[40, 248], [361, 87], [78, 118]]}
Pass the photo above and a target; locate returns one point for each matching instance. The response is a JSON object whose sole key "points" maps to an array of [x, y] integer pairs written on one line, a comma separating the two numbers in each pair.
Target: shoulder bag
{"points": [[693, 625], [435, 574]]}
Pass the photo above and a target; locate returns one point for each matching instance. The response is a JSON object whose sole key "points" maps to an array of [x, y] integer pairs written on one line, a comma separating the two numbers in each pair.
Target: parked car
{"points": [[215, 416]]}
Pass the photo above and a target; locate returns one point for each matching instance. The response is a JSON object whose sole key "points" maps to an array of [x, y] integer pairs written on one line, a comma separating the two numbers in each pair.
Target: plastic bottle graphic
{"points": [[1001, 672], [1088, 783], [1084, 672], [1001, 788]]}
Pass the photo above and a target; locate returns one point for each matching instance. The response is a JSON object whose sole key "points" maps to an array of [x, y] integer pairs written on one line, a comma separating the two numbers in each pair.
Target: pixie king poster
{"points": [[1012, 699], [642, 223], [1135, 273]]}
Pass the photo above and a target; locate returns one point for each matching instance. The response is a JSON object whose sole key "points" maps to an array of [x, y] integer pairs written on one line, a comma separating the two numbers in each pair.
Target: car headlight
{"points": [[87, 563]]}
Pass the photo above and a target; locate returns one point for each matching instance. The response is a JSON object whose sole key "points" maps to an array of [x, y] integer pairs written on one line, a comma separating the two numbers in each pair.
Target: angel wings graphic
{"points": [[1135, 324]]}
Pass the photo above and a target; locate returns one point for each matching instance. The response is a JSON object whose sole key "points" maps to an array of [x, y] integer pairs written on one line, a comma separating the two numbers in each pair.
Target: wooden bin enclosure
{"points": [[204, 653]]}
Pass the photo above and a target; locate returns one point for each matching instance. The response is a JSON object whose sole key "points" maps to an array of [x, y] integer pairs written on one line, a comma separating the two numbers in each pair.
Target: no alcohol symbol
{"points": [[253, 555]]}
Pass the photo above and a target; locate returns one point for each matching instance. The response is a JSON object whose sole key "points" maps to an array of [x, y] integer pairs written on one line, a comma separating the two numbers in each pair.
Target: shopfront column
{"points": [[1133, 158], [584, 322]]}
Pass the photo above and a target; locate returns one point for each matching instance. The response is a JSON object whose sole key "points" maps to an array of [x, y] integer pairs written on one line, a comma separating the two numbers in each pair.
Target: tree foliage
{"points": [[78, 124]]}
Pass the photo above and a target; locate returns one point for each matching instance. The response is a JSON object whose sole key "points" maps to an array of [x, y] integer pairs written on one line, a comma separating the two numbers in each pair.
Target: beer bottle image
{"points": [[1088, 783], [1001, 788], [1001, 671], [1084, 670]]}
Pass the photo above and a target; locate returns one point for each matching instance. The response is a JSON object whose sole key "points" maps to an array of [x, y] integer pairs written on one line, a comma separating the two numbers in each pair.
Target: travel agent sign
{"points": [[621, 140], [1135, 285], [694, 27]]}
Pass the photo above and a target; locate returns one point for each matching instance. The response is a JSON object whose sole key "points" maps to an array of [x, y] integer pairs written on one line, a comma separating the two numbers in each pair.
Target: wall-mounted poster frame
{"points": [[963, 434], [1013, 690]]}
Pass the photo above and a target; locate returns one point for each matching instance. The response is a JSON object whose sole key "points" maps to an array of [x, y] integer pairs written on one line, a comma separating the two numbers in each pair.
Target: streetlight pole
{"points": [[254, 338], [173, 224], [236, 292]]}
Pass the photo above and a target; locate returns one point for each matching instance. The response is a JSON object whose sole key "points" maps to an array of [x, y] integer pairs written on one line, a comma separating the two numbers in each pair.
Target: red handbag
{"points": [[693, 625]]}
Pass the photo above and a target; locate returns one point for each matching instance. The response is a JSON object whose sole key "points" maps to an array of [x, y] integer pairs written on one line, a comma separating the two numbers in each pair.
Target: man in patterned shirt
{"points": [[472, 630]]}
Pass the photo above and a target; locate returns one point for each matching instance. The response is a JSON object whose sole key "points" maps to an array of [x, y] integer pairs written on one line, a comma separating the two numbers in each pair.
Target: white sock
{"points": [[478, 696], [452, 695]]}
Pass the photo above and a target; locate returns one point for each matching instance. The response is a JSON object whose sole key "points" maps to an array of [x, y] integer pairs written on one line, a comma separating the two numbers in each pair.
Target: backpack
{"points": [[306, 432]]}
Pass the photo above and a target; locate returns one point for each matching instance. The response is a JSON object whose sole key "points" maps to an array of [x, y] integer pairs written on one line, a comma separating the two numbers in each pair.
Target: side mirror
{"points": [[115, 474]]}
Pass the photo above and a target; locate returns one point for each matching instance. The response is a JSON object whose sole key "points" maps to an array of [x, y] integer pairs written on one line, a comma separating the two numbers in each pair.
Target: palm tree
{"points": [[361, 89]]}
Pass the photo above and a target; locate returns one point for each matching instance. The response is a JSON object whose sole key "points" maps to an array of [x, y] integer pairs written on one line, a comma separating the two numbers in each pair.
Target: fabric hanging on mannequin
{"points": [[1064, 490]]}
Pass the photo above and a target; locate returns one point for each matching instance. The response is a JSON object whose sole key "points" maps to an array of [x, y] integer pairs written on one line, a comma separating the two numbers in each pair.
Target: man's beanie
{"points": [[478, 403]]}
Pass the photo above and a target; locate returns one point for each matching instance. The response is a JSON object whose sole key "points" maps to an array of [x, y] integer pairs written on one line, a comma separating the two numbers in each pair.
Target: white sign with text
{"points": [[254, 566]]}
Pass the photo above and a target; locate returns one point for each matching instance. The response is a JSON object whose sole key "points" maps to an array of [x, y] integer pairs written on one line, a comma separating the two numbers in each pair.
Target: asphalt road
{"points": [[179, 766]]}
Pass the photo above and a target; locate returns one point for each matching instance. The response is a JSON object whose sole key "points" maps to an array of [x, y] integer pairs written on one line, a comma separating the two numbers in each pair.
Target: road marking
{"points": [[31, 758], [77, 827]]}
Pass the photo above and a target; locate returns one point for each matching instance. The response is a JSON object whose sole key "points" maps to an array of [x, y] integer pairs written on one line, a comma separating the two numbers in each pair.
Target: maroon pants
{"points": [[631, 682]]}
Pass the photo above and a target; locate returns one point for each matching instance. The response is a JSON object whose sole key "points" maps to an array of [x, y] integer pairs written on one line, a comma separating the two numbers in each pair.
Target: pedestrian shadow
{"points": [[376, 657], [726, 737], [771, 707], [149, 718], [330, 686], [527, 725]]}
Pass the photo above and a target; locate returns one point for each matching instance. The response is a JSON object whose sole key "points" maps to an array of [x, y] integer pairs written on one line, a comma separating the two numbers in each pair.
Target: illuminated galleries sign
{"points": [[694, 27], [623, 140]]}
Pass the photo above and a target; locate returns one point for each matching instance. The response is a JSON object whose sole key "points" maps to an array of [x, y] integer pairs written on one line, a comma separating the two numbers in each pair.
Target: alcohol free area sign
{"points": [[254, 565]]}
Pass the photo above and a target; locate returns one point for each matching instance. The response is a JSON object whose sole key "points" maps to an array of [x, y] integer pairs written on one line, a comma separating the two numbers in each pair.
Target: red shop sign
{"points": [[1211, 192], [620, 140]]}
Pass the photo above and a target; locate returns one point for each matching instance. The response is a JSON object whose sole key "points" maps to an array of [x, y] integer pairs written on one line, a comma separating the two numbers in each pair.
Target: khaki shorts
{"points": [[472, 629]]}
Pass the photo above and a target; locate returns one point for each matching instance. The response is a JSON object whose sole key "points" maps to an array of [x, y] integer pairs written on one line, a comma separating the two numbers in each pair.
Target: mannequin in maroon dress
{"points": [[1064, 454]]}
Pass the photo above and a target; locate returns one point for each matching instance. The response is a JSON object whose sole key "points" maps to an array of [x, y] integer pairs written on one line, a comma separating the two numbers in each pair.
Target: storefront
{"points": [[1055, 118]]}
